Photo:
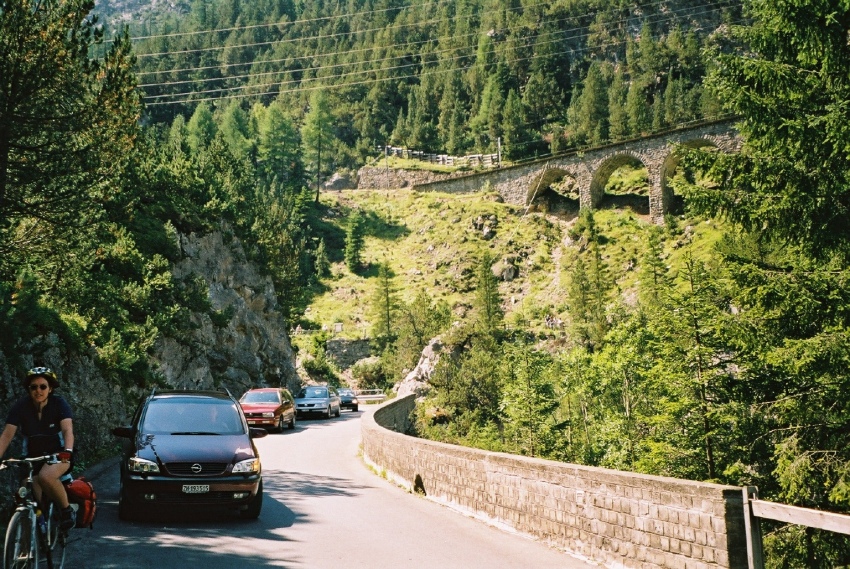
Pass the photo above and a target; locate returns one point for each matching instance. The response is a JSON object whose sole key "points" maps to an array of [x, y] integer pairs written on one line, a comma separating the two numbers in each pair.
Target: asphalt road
{"points": [[323, 508]]}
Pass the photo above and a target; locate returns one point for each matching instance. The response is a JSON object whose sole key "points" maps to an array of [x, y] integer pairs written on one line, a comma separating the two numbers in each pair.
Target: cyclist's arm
{"points": [[6, 437], [67, 433]]}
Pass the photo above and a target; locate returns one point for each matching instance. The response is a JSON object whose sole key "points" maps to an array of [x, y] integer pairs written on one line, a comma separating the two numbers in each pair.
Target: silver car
{"points": [[317, 399]]}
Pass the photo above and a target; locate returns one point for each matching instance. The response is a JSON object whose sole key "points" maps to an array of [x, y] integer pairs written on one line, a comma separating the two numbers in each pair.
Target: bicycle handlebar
{"points": [[54, 458]]}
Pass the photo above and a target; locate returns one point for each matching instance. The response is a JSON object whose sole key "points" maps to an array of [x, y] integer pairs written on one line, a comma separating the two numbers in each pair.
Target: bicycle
{"points": [[32, 535]]}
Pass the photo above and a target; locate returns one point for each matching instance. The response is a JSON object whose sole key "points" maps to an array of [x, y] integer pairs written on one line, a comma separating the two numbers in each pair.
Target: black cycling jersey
{"points": [[41, 436]]}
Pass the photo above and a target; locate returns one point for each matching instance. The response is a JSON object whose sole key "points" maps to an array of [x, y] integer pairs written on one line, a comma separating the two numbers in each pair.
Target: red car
{"points": [[269, 407]]}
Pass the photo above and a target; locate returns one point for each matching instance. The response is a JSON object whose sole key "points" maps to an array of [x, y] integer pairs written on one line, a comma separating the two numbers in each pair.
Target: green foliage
{"points": [[488, 303], [529, 402], [370, 374], [384, 307], [320, 368], [317, 136], [436, 80], [354, 235]]}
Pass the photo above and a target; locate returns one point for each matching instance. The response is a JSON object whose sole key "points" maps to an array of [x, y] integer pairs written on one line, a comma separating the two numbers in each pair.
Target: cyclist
{"points": [[45, 421]]}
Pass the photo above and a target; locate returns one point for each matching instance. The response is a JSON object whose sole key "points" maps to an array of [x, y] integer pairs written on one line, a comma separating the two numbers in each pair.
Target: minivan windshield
{"points": [[191, 416]]}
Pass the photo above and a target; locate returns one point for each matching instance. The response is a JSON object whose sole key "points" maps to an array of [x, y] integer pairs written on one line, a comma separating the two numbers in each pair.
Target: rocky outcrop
{"points": [[248, 345], [417, 380]]}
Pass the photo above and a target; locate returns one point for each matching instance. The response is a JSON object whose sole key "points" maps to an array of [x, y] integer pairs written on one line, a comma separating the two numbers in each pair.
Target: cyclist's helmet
{"points": [[44, 372]]}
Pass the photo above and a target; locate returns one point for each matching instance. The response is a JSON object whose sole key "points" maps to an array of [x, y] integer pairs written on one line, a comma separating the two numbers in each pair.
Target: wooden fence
{"points": [[470, 160], [755, 509]]}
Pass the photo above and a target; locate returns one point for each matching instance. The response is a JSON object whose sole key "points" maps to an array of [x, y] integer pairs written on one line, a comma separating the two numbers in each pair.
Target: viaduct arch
{"points": [[590, 169]]}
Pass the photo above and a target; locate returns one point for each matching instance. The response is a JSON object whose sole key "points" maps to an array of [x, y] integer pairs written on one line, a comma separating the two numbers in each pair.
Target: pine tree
{"points": [[488, 304], [317, 135], [384, 307], [67, 122], [515, 135], [354, 235], [201, 129], [528, 401]]}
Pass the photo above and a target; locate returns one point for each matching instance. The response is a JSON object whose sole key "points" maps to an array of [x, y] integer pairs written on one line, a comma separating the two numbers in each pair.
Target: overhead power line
{"points": [[533, 41], [320, 85]]}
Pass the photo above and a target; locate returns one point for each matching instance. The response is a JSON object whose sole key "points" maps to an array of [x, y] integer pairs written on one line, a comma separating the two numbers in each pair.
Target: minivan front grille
{"points": [[196, 468]]}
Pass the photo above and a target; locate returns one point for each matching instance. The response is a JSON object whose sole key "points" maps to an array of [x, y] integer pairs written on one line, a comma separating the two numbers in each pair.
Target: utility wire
{"points": [[321, 85], [533, 41], [336, 86]]}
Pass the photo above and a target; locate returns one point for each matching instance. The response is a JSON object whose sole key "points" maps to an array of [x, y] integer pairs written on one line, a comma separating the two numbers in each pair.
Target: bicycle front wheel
{"points": [[21, 545], [54, 552]]}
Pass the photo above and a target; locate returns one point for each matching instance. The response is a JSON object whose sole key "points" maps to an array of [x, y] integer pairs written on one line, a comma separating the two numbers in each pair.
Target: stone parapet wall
{"points": [[617, 519]]}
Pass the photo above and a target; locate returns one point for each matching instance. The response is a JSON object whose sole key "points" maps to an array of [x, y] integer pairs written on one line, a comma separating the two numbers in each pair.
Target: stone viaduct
{"points": [[588, 171]]}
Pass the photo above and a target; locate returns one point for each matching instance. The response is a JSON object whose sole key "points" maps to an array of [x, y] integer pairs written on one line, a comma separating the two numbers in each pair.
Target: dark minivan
{"points": [[189, 450]]}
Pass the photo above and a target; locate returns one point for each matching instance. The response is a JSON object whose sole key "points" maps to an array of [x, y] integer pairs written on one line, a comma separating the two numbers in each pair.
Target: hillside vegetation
{"points": [[700, 350]]}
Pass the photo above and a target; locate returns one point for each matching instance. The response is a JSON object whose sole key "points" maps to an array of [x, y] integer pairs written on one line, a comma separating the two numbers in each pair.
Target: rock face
{"points": [[417, 380], [252, 348]]}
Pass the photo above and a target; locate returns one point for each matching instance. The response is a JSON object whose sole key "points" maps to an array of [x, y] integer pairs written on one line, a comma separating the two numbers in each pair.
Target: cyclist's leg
{"points": [[48, 482], [47, 485]]}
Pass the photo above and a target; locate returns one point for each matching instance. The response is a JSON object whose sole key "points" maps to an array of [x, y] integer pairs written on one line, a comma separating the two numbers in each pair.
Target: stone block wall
{"points": [[617, 519]]}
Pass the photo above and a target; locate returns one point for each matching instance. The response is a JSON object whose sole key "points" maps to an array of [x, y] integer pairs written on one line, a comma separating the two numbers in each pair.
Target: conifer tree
{"points": [[354, 235], [528, 400], [201, 128], [384, 307], [488, 304], [317, 135], [67, 122]]}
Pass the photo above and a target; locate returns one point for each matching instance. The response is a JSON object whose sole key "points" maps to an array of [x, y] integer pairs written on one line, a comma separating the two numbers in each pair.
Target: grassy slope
{"points": [[430, 241]]}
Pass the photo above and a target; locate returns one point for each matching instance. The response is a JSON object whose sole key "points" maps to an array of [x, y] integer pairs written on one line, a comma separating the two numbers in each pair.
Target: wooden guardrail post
{"points": [[755, 557]]}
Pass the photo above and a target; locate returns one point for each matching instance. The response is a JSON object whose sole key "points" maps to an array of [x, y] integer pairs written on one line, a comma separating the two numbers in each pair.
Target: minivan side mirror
{"points": [[123, 432], [256, 433]]}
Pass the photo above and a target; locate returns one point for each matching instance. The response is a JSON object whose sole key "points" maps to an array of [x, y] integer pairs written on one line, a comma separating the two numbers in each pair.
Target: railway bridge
{"points": [[587, 171]]}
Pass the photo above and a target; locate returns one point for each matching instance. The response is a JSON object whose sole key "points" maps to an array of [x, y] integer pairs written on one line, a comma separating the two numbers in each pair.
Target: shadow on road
{"points": [[207, 540]]}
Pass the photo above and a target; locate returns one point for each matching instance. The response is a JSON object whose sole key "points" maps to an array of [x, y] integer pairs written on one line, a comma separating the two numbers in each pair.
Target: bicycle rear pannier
{"points": [[81, 492]]}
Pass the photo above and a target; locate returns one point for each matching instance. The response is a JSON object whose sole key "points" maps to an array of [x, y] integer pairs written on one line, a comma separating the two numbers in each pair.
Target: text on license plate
{"points": [[195, 488]]}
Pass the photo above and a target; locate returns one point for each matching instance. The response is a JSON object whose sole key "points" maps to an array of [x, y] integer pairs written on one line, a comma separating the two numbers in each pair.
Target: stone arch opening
{"points": [[670, 202], [555, 190], [608, 190]]}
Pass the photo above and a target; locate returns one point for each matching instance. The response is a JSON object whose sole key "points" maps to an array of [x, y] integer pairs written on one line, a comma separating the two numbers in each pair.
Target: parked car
{"points": [[269, 407], [347, 399], [317, 399], [189, 450]]}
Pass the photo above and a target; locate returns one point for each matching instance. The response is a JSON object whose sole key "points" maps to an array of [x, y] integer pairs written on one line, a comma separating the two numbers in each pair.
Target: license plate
{"points": [[196, 488]]}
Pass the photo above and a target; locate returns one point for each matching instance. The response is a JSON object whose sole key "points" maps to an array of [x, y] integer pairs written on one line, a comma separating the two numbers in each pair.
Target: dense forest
{"points": [[442, 76], [731, 368]]}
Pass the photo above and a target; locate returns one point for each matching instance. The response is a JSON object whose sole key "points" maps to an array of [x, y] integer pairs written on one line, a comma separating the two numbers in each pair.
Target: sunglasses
{"points": [[41, 386]]}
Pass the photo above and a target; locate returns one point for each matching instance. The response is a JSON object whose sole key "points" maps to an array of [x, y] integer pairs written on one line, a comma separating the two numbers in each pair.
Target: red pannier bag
{"points": [[81, 492]]}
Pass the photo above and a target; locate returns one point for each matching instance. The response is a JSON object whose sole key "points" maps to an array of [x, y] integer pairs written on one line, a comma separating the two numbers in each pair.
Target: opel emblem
{"points": [[196, 468]]}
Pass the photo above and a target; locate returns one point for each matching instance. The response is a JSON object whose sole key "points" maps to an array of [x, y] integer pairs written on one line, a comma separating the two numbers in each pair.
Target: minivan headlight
{"points": [[140, 465], [247, 466]]}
